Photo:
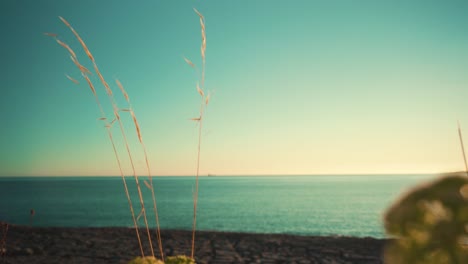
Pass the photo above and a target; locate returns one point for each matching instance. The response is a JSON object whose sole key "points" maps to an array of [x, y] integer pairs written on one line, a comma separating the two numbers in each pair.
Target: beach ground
{"points": [[119, 245]]}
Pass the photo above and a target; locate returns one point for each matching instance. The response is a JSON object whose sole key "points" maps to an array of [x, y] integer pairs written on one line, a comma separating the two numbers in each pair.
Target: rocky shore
{"points": [[119, 245]]}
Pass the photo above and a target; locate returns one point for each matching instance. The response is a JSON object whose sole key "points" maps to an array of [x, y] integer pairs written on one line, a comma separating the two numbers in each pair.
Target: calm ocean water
{"points": [[307, 205]]}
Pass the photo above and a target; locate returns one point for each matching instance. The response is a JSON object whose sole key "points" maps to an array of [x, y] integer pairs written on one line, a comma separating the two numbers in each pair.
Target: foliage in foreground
{"points": [[169, 260], [430, 223], [145, 260], [179, 260]]}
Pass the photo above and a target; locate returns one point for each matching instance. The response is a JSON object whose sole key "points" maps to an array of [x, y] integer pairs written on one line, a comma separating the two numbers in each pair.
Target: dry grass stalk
{"points": [[204, 101], [72, 53], [138, 130], [79, 39], [90, 56], [150, 185], [103, 81], [147, 184], [50, 34], [109, 132], [119, 84], [91, 86], [203, 45], [189, 62], [463, 148], [73, 56], [71, 79], [207, 99], [126, 190], [82, 68], [200, 91], [122, 130], [108, 126]]}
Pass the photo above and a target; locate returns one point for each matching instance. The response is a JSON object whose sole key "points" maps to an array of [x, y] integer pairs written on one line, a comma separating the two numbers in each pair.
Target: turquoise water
{"points": [[307, 205]]}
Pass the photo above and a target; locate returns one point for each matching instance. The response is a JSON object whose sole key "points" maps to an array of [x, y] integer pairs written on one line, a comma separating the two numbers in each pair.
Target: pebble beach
{"points": [[119, 245]]}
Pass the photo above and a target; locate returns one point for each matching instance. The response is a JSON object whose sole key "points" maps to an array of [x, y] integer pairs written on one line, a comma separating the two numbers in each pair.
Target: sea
{"points": [[336, 205]]}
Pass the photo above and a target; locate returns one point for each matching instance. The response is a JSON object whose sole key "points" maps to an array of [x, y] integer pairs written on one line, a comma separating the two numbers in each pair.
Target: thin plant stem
{"points": [[109, 132], [195, 198], [140, 137], [127, 194], [155, 205], [134, 173], [463, 148], [200, 120], [116, 114], [108, 126]]}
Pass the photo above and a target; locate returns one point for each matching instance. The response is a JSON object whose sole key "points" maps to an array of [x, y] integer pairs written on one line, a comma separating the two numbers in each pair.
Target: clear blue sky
{"points": [[300, 87]]}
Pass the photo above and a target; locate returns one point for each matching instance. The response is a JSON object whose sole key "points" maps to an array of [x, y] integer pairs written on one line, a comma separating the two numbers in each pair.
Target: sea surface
{"points": [[349, 205]]}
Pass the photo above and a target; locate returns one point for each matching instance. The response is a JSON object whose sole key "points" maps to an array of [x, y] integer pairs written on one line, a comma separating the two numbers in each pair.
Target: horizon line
{"points": [[239, 175]]}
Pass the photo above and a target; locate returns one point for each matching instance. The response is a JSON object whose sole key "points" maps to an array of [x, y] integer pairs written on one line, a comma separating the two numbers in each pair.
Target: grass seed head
{"points": [[51, 34], [90, 84], [198, 13], [123, 90], [189, 62], [148, 185], [63, 44], [137, 127], [200, 91], [71, 79]]}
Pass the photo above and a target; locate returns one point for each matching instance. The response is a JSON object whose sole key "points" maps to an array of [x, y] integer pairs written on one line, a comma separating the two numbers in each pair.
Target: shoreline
{"points": [[119, 244]]}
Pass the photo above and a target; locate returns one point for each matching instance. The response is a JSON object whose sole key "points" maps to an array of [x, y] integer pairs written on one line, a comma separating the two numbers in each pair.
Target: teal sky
{"points": [[300, 87]]}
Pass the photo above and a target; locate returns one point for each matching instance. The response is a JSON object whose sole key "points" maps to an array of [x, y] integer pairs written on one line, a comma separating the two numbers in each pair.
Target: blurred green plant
{"points": [[179, 260], [169, 260], [430, 223], [146, 260]]}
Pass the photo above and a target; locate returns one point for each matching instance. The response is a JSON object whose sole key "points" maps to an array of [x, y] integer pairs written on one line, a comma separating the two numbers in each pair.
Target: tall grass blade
{"points": [[91, 86], [84, 72], [53, 35], [151, 187], [200, 91], [79, 39], [204, 102], [198, 13], [71, 79], [463, 148], [119, 84], [82, 68], [114, 105], [189, 62], [70, 50], [207, 100], [141, 213], [109, 132], [147, 184]]}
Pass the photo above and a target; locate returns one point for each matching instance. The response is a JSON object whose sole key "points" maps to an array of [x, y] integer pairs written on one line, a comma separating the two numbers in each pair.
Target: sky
{"points": [[298, 87]]}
